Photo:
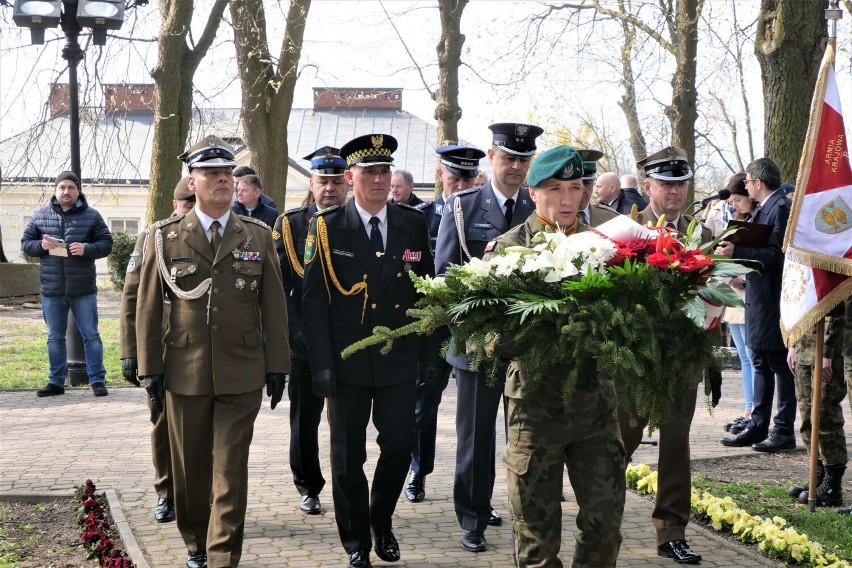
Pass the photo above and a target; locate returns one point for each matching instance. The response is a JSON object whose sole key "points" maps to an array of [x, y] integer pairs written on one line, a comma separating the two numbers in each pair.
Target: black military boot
{"points": [[830, 493], [795, 491]]}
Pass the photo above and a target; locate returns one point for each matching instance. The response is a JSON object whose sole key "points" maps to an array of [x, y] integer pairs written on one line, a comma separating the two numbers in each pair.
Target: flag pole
{"points": [[816, 403], [832, 14]]}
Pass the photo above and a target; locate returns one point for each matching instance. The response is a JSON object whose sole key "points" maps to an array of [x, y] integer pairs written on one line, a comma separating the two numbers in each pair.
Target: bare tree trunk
{"points": [[683, 111], [173, 77], [789, 45], [267, 90], [447, 109], [628, 99]]}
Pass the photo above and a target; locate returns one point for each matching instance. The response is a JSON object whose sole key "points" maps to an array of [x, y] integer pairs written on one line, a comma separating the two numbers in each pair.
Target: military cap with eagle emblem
{"points": [[326, 161], [669, 164], [369, 150], [209, 152], [562, 163], [462, 161], [590, 163], [515, 138]]}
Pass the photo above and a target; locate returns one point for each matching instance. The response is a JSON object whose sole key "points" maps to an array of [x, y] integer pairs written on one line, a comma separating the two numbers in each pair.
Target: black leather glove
{"points": [[427, 379], [156, 387], [714, 377], [275, 383], [299, 344], [129, 368], [323, 383]]}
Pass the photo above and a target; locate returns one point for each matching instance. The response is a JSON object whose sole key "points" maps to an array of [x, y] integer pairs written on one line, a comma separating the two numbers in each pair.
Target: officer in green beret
{"points": [[545, 433]]}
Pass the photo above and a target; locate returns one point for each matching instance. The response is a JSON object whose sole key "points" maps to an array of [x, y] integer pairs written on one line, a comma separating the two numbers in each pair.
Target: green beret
{"points": [[562, 163]]}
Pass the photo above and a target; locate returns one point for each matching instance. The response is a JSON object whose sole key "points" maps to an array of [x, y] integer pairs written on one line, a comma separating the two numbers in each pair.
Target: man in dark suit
{"points": [[402, 188], [458, 168], [632, 195], [328, 189], [226, 339], [357, 257], [472, 219], [763, 334], [667, 183], [249, 202]]}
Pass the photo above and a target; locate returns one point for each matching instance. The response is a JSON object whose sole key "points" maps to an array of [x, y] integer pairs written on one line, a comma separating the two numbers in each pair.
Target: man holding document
{"points": [[67, 236]]}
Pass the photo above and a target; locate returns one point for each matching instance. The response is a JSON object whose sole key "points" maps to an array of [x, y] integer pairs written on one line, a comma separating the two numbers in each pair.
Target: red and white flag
{"points": [[818, 241]]}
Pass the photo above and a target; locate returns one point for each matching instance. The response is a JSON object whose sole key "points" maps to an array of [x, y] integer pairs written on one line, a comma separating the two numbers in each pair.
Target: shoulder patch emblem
{"points": [[276, 235], [310, 248], [490, 246]]}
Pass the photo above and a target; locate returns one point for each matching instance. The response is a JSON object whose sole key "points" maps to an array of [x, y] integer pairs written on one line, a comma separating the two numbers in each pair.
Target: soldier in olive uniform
{"points": [[544, 432], [226, 339], [357, 259], [832, 440], [458, 168], [328, 189], [667, 181], [472, 219], [183, 202]]}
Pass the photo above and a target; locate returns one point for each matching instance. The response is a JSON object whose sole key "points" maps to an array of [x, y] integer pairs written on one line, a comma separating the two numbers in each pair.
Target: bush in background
{"points": [[122, 247]]}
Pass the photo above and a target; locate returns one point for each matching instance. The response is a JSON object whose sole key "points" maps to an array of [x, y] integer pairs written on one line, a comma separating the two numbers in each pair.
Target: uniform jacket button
{"points": [[373, 306], [215, 271], [215, 327], [215, 309], [215, 290], [396, 306]]}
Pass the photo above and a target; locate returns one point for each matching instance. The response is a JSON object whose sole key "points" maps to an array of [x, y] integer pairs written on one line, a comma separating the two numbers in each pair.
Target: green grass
{"points": [[9, 545], [23, 356], [769, 499]]}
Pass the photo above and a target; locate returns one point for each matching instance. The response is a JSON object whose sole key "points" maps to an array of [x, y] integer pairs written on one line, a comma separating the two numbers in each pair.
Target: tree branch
{"points": [[405, 46]]}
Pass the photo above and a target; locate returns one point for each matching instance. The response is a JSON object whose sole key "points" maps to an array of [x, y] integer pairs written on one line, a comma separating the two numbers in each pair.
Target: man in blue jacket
{"points": [[68, 236]]}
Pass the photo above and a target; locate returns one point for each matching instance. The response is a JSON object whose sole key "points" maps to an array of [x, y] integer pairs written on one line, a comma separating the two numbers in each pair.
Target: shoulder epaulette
{"points": [[253, 220], [168, 221], [408, 207], [295, 210], [424, 205], [468, 191], [327, 210]]}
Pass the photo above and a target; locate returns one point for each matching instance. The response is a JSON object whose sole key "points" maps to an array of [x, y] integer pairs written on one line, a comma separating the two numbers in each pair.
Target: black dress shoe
{"points": [[415, 488], [775, 443], [387, 548], [310, 505], [679, 551], [745, 438], [196, 560], [359, 559], [474, 541], [165, 511], [50, 390], [495, 520]]}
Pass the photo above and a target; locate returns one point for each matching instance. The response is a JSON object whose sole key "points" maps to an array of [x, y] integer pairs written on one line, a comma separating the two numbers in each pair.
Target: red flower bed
{"points": [[96, 531]]}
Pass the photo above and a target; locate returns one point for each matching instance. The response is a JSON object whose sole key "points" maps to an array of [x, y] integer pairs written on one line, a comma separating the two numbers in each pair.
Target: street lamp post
{"points": [[71, 16]]}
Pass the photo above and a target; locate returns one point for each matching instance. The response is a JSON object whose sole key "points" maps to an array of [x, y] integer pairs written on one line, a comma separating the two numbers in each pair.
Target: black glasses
{"points": [[748, 181]]}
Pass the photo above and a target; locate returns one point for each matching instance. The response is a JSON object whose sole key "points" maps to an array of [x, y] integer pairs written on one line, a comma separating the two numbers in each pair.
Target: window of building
{"points": [[130, 226]]}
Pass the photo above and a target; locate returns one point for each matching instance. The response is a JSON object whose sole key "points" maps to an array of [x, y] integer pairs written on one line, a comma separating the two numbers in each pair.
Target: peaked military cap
{"points": [[669, 164], [182, 190], [515, 138], [369, 150], [590, 163], [326, 161], [562, 163], [462, 161], [210, 152]]}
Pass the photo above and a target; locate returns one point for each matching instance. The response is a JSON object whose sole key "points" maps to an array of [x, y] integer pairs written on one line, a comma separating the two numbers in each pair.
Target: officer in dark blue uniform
{"points": [[290, 232], [357, 257], [458, 169], [471, 220]]}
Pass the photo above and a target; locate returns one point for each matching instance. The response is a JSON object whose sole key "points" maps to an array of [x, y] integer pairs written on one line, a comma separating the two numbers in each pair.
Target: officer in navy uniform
{"points": [[357, 257], [472, 219], [290, 232], [458, 168]]}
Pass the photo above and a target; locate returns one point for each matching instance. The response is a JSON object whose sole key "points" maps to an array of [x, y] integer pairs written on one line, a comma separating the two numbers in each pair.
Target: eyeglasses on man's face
{"points": [[748, 181]]}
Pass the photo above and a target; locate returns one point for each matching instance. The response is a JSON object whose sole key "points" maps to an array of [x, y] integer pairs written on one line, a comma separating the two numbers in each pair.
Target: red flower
{"points": [[658, 260], [695, 262]]}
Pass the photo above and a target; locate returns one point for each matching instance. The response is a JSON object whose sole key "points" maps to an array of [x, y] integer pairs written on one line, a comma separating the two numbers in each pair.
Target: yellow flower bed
{"points": [[770, 535]]}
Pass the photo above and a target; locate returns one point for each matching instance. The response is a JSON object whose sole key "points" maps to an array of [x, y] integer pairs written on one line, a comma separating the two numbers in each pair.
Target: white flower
{"points": [[478, 267], [505, 264]]}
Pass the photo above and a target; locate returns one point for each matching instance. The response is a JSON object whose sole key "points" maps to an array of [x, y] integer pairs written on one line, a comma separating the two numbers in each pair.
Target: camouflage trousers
{"points": [[832, 440], [541, 440]]}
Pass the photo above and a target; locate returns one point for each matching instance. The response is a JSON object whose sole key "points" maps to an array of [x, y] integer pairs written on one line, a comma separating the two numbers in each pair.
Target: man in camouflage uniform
{"points": [[544, 433], [832, 440]]}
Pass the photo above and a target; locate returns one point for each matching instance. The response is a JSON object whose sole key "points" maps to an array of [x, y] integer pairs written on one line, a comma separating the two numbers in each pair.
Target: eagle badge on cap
{"points": [[329, 153], [522, 129], [377, 140], [567, 171]]}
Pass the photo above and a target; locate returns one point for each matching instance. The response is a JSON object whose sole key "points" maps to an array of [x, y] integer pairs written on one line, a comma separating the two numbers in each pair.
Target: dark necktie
{"points": [[510, 208], [215, 237], [376, 235], [582, 215], [755, 213], [671, 225]]}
